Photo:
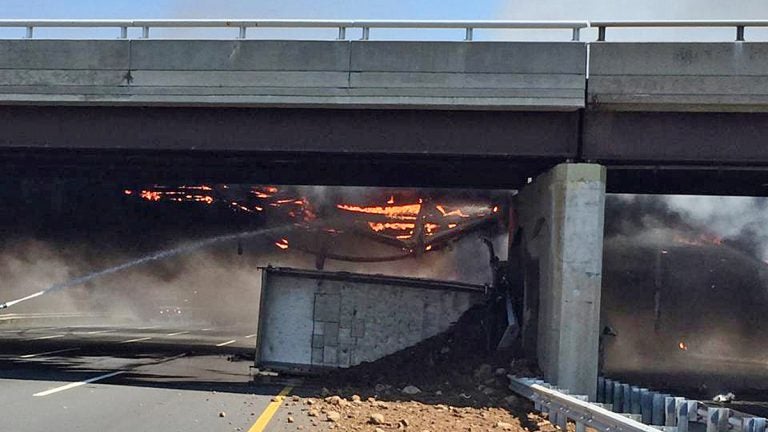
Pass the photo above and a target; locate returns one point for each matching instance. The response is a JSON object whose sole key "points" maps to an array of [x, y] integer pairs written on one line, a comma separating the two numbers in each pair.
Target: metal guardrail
{"points": [[366, 25], [561, 407], [621, 407], [342, 25], [663, 410], [739, 25]]}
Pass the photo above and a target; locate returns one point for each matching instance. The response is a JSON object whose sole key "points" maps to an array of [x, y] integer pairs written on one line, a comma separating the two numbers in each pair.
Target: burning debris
{"points": [[405, 221]]}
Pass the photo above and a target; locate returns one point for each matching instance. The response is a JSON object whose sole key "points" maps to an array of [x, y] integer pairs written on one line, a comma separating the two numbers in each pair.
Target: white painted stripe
{"points": [[147, 328], [77, 384], [177, 333], [48, 337], [136, 340], [48, 352], [100, 331], [227, 343], [251, 335], [206, 329]]}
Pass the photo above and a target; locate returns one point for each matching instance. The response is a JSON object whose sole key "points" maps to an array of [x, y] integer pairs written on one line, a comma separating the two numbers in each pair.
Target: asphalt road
{"points": [[135, 378]]}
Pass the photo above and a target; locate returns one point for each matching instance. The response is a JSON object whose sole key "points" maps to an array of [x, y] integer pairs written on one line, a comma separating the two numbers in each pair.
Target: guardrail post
{"points": [[717, 419], [468, 34], [682, 415], [145, 32], [626, 398], [646, 406], [30, 32], [740, 33], [243, 30], [562, 418], [601, 34], [580, 426], [576, 34], [634, 405], [342, 33], [618, 392], [753, 424], [123, 32], [670, 409], [658, 408], [600, 389], [366, 33]]}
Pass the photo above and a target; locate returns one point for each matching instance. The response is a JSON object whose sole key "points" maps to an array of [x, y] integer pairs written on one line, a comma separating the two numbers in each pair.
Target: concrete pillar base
{"points": [[562, 215]]}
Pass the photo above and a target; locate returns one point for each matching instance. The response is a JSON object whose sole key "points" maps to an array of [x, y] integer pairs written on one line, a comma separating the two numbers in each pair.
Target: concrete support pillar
{"points": [[562, 214]]}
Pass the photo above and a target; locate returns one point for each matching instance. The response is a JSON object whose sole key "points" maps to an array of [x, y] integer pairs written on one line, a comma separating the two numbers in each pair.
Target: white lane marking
{"points": [[136, 340], [226, 343], [100, 331], [77, 384], [47, 337], [251, 335], [146, 328], [177, 333], [206, 329], [48, 352]]}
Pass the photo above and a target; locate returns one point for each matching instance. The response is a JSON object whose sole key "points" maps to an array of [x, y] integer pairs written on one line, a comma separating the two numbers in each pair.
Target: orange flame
{"points": [[282, 243], [683, 346], [150, 195], [400, 226], [401, 212], [446, 213]]}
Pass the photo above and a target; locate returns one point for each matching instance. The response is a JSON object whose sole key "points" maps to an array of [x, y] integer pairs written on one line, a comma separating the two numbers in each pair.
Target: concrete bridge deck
{"points": [[657, 114]]}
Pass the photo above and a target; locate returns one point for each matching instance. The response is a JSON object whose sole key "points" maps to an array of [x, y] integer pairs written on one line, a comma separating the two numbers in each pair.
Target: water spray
{"points": [[145, 259]]}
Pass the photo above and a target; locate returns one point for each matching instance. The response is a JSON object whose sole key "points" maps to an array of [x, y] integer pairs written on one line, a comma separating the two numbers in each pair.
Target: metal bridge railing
{"points": [[738, 25], [342, 25], [365, 26]]}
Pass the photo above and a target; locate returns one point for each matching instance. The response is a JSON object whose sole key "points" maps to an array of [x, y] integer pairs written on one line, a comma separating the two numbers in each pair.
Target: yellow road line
{"points": [[270, 411]]}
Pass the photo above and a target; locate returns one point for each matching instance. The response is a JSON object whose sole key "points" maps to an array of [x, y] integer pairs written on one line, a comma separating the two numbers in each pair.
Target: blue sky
{"points": [[392, 9]]}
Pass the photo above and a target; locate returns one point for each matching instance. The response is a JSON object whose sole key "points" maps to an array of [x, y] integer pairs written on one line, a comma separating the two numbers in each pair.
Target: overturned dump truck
{"points": [[313, 320]]}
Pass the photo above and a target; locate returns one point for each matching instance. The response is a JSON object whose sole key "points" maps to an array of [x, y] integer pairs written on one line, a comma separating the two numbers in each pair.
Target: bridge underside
{"points": [[288, 146], [645, 152]]}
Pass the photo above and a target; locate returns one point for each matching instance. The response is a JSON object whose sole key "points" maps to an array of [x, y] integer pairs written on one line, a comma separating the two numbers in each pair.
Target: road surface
{"points": [[129, 378]]}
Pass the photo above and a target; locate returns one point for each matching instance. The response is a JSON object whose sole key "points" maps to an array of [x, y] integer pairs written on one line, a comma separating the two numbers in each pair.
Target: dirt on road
{"points": [[450, 382]]}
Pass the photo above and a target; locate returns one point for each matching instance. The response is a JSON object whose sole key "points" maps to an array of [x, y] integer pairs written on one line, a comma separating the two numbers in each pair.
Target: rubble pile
{"points": [[356, 414], [448, 382], [454, 367]]}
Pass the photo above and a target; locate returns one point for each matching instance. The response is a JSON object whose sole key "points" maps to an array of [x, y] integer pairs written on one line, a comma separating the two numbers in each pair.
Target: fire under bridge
{"points": [[562, 121]]}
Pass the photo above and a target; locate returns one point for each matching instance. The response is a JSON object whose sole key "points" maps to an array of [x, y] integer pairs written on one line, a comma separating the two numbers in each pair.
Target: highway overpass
{"points": [[563, 121], [663, 117]]}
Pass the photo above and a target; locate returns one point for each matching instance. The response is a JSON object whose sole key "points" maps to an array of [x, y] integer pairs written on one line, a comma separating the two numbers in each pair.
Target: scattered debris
{"points": [[447, 382], [222, 414], [410, 390], [724, 398]]}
